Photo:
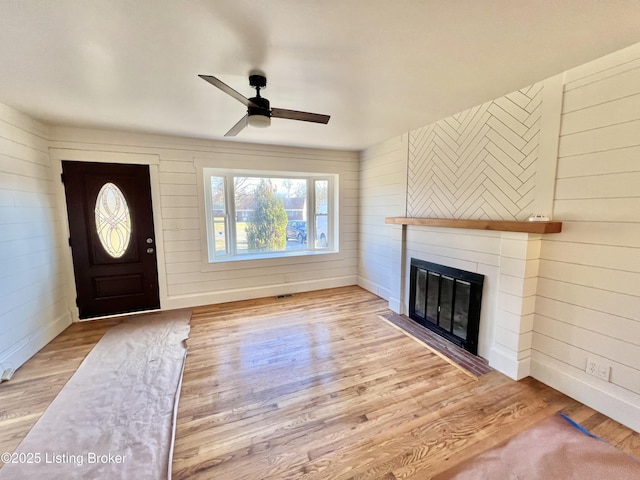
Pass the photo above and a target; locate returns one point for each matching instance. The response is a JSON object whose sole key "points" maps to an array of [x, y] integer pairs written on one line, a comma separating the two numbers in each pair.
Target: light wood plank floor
{"points": [[315, 386]]}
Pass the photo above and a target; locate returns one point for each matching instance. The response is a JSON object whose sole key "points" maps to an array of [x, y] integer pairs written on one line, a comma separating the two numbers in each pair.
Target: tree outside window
{"points": [[267, 228]]}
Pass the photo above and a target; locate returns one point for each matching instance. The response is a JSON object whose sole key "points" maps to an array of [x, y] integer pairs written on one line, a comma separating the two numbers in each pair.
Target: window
{"points": [[113, 221], [260, 215]]}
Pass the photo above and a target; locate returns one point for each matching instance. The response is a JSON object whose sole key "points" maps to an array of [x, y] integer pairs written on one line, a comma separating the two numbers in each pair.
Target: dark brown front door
{"points": [[112, 238]]}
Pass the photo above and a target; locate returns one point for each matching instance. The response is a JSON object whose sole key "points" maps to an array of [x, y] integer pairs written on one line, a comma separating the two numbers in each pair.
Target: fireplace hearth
{"points": [[447, 301]]}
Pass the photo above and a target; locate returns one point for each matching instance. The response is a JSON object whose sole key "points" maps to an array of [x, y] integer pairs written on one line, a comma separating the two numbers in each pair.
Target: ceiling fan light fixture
{"points": [[259, 111], [259, 121]]}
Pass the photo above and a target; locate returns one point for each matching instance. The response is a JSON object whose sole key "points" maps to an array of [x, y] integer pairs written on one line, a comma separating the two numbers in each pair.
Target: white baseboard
{"points": [[506, 361], [374, 288], [623, 406], [210, 298], [19, 353]]}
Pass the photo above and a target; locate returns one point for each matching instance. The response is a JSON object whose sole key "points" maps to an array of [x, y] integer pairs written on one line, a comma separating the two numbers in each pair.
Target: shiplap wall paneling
{"points": [[275, 276], [191, 281], [588, 291], [181, 233], [382, 194], [33, 292]]}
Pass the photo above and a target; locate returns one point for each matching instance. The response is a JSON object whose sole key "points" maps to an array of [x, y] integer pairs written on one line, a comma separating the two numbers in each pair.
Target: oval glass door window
{"points": [[113, 221]]}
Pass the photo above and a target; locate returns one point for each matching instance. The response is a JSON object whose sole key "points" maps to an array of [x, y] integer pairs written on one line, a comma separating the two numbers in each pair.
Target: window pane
{"points": [[219, 213], [261, 213], [322, 200], [219, 231], [217, 197], [321, 213], [293, 192], [113, 221], [322, 235]]}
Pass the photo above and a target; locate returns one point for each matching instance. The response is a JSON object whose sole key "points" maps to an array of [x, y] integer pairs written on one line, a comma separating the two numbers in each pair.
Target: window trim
{"points": [[210, 257]]}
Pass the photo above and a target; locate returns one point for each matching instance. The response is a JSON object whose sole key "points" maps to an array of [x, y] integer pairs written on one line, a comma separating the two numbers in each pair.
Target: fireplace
{"points": [[447, 301]]}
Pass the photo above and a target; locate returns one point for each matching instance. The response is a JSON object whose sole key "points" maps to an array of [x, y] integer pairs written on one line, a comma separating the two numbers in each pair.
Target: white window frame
{"points": [[231, 253]]}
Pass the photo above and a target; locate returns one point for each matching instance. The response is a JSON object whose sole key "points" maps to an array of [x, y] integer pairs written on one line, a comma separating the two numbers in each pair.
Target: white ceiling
{"points": [[380, 68]]}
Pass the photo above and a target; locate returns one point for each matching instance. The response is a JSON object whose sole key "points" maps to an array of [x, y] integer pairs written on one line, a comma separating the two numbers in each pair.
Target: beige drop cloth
{"points": [[550, 450], [115, 417]]}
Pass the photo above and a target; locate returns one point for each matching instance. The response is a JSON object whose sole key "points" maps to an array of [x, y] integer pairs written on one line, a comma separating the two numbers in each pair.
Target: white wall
{"points": [[583, 299], [33, 296], [189, 280], [588, 302], [383, 186]]}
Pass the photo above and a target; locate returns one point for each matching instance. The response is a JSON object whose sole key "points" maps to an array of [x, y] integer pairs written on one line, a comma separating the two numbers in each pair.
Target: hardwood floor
{"points": [[314, 386]]}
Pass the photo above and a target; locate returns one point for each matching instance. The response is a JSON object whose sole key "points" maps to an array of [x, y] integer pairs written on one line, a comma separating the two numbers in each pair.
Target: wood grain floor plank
{"points": [[314, 386]]}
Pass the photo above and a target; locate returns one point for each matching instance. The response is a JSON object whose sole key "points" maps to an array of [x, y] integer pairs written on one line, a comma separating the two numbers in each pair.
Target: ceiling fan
{"points": [[259, 112]]}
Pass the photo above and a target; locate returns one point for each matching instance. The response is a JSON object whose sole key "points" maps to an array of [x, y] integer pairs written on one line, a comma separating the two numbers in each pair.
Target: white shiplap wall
{"points": [[189, 280], [383, 186], [33, 296], [588, 302]]}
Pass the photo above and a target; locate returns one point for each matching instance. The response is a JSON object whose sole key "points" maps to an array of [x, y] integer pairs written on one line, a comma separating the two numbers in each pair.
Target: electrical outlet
{"points": [[598, 369]]}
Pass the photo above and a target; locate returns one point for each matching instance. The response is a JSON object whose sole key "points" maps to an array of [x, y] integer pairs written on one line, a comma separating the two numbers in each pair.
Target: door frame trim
{"points": [[57, 155]]}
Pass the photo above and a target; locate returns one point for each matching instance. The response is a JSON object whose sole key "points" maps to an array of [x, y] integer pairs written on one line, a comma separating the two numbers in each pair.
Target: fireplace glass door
{"points": [[447, 301]]}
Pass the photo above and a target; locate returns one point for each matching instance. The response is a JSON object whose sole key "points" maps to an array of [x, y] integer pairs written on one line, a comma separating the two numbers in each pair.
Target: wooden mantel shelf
{"points": [[497, 225]]}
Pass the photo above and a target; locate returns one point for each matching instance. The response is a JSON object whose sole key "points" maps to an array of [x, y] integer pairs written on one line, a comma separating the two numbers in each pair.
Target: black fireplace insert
{"points": [[447, 301]]}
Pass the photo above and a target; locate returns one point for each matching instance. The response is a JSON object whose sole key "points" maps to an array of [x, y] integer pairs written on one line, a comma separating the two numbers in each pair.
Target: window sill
{"points": [[271, 256]]}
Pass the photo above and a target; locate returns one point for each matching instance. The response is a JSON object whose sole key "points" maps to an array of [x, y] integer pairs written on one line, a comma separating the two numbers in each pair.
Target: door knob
{"points": [[149, 250], [149, 240]]}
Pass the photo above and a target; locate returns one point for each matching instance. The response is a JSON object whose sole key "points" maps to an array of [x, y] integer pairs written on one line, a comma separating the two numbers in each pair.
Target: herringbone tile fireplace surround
{"points": [[478, 164], [492, 162]]}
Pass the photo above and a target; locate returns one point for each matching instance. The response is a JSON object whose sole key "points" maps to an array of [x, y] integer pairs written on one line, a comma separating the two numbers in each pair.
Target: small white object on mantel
{"points": [[536, 217]]}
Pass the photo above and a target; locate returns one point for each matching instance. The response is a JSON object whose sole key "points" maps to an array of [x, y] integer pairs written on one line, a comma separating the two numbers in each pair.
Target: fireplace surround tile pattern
{"points": [[479, 163]]}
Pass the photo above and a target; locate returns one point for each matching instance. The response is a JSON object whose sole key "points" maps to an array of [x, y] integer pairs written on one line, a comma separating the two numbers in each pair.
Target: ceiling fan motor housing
{"points": [[262, 107], [260, 115]]}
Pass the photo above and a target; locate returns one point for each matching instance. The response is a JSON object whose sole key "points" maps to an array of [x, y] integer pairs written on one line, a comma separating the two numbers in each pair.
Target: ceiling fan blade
{"points": [[227, 89], [296, 115], [238, 127]]}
